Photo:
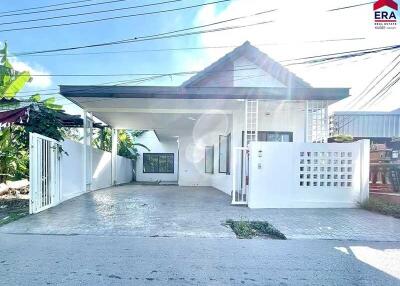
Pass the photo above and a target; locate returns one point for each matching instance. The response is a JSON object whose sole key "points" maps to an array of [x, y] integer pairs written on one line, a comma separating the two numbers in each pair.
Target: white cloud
{"points": [[42, 78], [297, 22]]}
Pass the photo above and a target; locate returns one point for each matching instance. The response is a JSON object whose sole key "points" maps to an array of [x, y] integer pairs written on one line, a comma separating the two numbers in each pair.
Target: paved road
{"points": [[144, 211], [123, 260]]}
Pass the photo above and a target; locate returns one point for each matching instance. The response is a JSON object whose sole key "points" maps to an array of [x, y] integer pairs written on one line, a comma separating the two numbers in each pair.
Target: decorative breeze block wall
{"points": [[326, 169]]}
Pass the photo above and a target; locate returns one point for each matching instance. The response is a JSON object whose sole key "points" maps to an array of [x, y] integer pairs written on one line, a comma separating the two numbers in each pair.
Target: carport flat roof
{"points": [[171, 92]]}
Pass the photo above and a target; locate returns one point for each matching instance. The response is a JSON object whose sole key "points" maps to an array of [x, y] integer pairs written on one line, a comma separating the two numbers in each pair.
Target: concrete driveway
{"points": [[171, 211]]}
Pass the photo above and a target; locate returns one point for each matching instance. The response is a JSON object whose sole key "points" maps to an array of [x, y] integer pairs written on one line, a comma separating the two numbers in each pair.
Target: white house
{"points": [[244, 125]]}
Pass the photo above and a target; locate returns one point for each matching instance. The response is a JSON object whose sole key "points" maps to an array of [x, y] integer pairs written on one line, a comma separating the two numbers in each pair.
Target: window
{"points": [[158, 162], [224, 153], [209, 160], [272, 136]]}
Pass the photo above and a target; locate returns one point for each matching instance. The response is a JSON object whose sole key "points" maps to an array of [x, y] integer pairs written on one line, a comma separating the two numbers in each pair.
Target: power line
{"points": [[155, 36], [154, 75], [112, 18], [342, 55], [62, 9], [351, 6], [90, 13], [375, 80], [46, 6], [187, 48], [384, 90]]}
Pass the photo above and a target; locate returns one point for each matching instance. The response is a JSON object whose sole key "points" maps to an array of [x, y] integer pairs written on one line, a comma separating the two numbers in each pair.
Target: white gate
{"points": [[240, 184], [44, 172], [240, 176]]}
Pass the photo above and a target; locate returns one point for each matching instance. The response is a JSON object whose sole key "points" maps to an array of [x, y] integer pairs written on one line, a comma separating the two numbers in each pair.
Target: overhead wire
{"points": [[91, 12], [112, 18], [158, 36], [10, 14]]}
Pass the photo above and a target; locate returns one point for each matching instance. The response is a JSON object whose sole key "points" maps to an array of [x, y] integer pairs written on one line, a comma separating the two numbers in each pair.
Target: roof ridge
{"points": [[255, 55]]}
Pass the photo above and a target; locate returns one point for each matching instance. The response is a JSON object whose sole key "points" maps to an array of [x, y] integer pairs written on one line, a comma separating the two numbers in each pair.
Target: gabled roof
{"points": [[257, 57]]}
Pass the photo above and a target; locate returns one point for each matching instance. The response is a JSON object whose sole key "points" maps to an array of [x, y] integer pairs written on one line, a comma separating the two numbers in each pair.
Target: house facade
{"points": [[203, 130]]}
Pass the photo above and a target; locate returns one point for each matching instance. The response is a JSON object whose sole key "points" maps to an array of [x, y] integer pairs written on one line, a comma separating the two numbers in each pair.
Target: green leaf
{"points": [[54, 106], [35, 97], [3, 51], [16, 85], [141, 145], [50, 100]]}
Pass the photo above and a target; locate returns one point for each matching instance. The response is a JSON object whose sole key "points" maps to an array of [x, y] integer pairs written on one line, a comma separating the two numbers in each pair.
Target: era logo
{"points": [[385, 14]]}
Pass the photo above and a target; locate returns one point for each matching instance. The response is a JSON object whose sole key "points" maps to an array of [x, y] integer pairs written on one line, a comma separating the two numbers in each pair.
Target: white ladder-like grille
{"points": [[251, 121], [241, 155]]}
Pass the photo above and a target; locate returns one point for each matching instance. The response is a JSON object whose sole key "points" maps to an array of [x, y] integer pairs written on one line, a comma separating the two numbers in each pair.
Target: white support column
{"points": [[114, 150], [306, 121], [87, 150], [364, 169], [84, 154]]}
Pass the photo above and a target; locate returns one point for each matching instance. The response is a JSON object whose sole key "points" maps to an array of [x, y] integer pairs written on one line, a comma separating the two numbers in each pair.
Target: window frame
{"points": [[228, 154], [158, 162], [212, 159]]}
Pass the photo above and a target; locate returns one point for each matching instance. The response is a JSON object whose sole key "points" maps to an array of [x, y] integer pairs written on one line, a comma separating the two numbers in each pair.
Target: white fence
{"points": [[72, 170], [303, 175]]}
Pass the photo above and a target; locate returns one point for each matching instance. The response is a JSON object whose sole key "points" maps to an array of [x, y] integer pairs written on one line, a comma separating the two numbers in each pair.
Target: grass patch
{"points": [[13, 216], [13, 209], [381, 206], [249, 229]]}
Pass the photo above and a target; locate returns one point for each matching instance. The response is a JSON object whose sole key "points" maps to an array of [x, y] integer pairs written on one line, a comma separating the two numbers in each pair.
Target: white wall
{"points": [[273, 116], [101, 169], [274, 174], [247, 74], [150, 140], [124, 170], [279, 116], [192, 152], [72, 169]]}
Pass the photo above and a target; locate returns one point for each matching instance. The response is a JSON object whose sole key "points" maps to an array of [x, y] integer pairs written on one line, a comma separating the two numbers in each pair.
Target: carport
{"points": [[192, 118]]}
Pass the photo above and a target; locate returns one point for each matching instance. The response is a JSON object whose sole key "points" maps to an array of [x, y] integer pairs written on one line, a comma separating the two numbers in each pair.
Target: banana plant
{"points": [[127, 147], [48, 102], [11, 81]]}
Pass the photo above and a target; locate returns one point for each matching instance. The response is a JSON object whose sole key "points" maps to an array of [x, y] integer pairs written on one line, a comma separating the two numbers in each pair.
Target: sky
{"points": [[299, 29]]}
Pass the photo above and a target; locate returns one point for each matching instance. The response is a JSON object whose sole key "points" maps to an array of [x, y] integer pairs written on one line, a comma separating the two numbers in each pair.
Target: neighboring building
{"points": [[204, 132], [380, 127]]}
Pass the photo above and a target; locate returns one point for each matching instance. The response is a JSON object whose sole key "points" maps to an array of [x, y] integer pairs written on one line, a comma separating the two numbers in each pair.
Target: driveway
{"points": [[171, 211]]}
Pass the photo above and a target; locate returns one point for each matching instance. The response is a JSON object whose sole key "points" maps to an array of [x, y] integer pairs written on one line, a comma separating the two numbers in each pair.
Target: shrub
{"points": [[381, 206]]}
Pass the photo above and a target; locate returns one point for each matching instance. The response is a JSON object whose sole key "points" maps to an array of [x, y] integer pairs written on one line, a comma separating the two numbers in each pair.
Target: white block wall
{"points": [[72, 170], [307, 175]]}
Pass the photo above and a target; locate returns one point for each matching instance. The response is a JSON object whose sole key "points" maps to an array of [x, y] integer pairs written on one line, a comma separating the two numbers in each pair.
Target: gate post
{"points": [[32, 171], [364, 169]]}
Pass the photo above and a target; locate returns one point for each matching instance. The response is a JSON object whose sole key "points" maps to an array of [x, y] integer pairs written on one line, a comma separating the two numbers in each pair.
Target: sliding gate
{"points": [[44, 172]]}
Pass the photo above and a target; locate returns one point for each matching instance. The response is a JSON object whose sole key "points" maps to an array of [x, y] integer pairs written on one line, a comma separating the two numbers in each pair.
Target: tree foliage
{"points": [[11, 81], [126, 142], [14, 158], [14, 139]]}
